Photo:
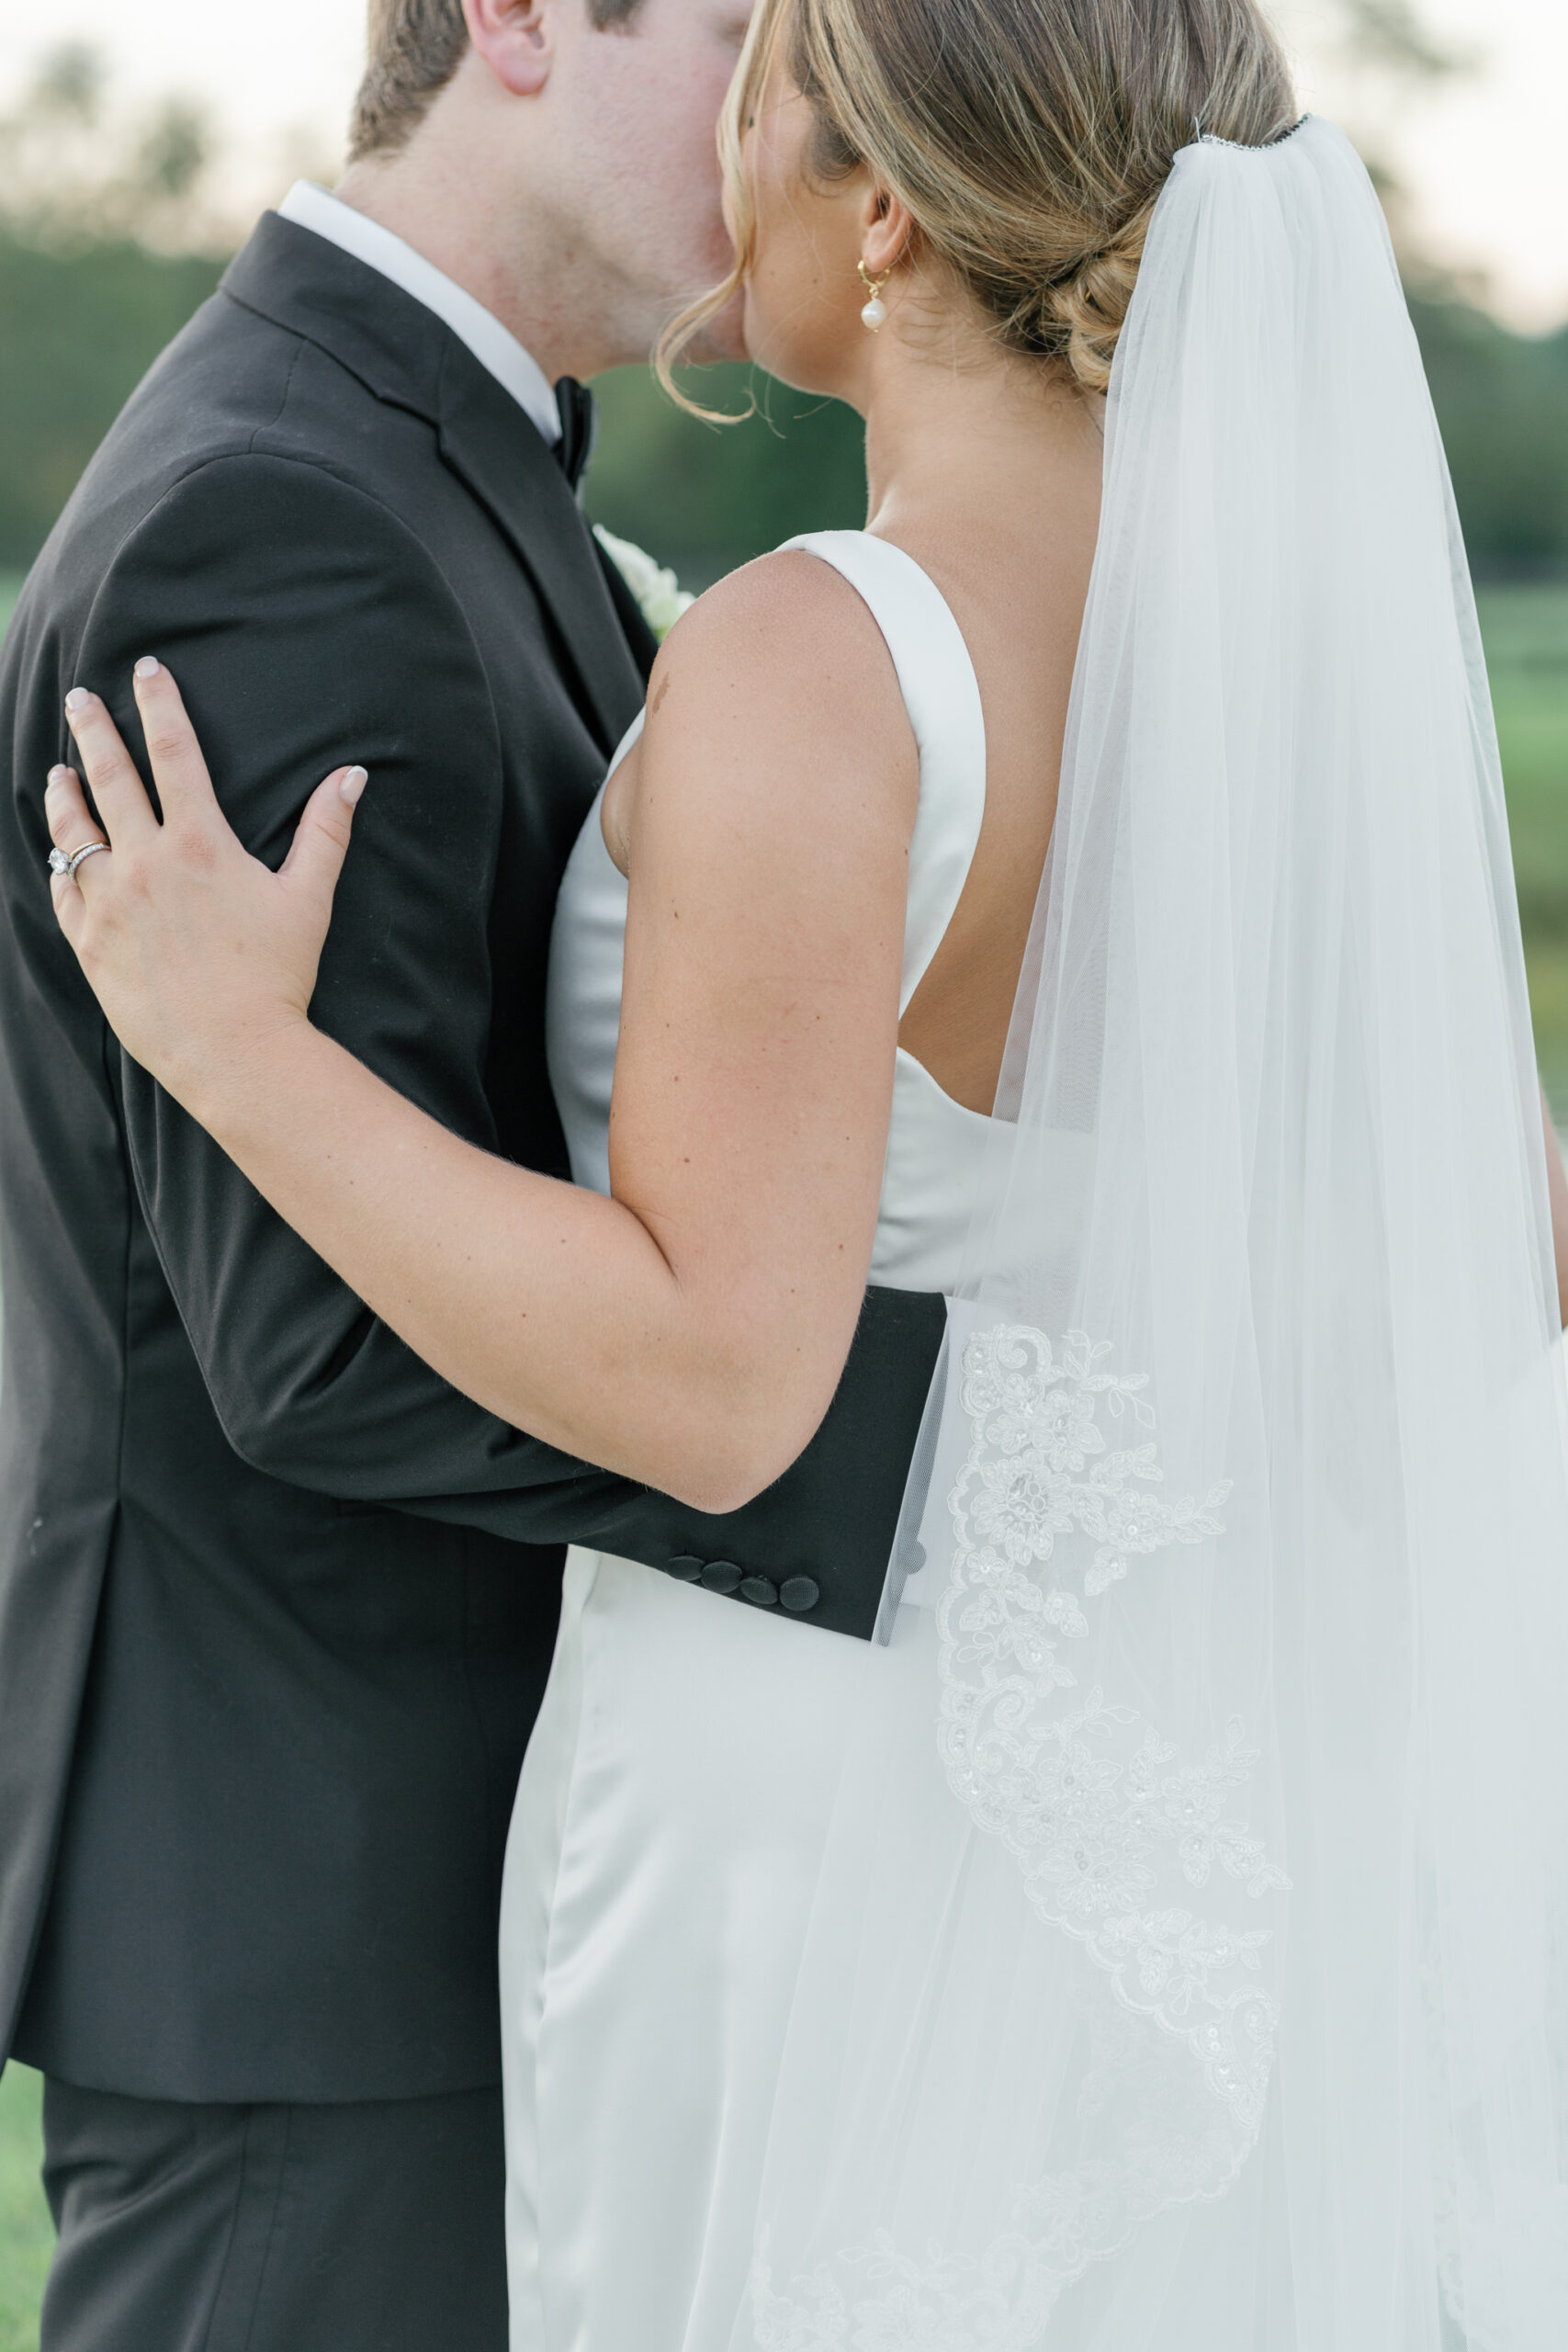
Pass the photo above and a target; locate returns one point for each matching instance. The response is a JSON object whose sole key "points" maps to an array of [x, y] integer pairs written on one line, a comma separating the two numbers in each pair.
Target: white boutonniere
{"points": [[658, 593]]}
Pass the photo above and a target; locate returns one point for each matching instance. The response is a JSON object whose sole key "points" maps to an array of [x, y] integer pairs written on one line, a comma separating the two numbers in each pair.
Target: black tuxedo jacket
{"points": [[276, 1605]]}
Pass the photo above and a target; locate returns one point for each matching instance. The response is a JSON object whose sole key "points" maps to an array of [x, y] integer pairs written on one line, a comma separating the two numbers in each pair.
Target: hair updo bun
{"points": [[1078, 317], [1029, 139]]}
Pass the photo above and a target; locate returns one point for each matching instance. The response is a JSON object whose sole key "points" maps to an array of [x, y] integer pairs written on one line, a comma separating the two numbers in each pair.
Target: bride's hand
{"points": [[198, 954]]}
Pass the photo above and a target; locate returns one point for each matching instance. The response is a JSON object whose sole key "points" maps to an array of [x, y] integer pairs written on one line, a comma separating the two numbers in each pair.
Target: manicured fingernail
{"points": [[78, 698], [59, 775], [147, 667], [352, 784]]}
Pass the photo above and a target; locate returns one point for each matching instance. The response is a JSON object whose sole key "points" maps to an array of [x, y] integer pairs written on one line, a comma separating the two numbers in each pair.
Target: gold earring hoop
{"points": [[874, 316]]}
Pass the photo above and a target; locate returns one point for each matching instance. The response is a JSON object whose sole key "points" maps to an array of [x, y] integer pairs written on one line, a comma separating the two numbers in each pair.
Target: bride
{"points": [[1084, 892]]}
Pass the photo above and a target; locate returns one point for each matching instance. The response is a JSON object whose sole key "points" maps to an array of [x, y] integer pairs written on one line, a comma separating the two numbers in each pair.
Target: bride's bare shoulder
{"points": [[777, 677], [783, 622], [788, 591]]}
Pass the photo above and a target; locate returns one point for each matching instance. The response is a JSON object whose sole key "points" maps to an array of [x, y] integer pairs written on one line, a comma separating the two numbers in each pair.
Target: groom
{"points": [[277, 1606]]}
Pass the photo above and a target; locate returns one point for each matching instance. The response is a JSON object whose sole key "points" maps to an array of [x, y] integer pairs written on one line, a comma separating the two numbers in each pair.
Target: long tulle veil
{"points": [[1189, 1971]]}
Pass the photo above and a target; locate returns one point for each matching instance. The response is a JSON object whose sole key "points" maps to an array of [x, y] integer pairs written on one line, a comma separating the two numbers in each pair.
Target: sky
{"points": [[1485, 160]]}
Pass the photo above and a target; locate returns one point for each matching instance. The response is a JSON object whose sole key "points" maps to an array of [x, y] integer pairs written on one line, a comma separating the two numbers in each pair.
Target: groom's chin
{"points": [[724, 338]]}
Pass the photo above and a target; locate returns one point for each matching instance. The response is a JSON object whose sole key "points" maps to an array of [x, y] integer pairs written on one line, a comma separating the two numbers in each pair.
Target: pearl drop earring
{"points": [[876, 311]]}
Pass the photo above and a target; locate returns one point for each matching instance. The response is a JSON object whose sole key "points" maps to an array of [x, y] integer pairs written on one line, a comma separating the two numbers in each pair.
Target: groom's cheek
{"points": [[644, 141]]}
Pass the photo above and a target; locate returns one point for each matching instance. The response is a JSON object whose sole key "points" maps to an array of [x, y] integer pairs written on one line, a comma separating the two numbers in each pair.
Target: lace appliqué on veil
{"points": [[1115, 1833], [1111, 1828]]}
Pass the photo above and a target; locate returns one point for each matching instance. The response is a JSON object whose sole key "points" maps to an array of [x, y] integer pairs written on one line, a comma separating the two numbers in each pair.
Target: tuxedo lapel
{"points": [[407, 356], [494, 448]]}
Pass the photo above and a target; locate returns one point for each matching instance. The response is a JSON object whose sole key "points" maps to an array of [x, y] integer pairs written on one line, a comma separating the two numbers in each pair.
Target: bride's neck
{"points": [[971, 434]]}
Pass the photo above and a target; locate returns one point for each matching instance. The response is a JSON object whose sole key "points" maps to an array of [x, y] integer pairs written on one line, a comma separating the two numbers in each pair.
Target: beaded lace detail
{"points": [[1114, 1831], [1117, 1834], [1202, 138]]}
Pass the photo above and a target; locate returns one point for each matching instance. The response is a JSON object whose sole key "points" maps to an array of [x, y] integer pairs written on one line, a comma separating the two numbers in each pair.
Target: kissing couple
{"points": [[975, 1158]]}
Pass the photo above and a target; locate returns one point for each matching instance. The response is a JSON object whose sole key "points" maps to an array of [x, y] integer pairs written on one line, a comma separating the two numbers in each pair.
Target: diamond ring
{"points": [[60, 864]]}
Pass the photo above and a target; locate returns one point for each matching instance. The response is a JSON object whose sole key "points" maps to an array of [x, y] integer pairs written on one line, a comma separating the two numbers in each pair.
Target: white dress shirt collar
{"points": [[309, 207]]}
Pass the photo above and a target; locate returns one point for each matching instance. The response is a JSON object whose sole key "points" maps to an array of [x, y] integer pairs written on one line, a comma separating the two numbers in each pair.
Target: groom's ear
{"points": [[516, 39]]}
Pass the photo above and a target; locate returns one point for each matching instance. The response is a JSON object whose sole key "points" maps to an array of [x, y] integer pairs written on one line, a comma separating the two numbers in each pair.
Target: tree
{"points": [[75, 171], [1389, 35], [93, 283]]}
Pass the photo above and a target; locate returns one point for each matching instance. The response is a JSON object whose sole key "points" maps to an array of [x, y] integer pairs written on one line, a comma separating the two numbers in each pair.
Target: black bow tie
{"points": [[577, 422]]}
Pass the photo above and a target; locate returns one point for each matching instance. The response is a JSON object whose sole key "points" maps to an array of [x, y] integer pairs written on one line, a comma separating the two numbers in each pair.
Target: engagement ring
{"points": [[60, 864]]}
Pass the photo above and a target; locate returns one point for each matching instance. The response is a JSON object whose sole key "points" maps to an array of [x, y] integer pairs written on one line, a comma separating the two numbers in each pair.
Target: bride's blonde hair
{"points": [[1030, 139]]}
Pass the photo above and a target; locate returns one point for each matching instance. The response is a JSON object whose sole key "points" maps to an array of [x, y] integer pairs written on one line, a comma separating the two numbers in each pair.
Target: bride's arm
{"points": [[690, 1331]]}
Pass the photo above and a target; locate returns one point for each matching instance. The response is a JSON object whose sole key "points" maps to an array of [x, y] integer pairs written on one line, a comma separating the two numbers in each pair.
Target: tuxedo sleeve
{"points": [[306, 625]]}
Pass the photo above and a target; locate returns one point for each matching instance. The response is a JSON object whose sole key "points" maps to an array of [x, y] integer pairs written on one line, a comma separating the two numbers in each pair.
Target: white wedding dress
{"points": [[1157, 1946], [667, 1837]]}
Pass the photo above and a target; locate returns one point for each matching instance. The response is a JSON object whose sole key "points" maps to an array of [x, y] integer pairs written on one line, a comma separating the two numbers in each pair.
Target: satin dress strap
{"points": [[941, 697]]}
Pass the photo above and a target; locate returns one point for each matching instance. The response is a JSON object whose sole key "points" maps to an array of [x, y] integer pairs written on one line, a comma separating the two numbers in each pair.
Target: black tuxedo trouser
{"points": [[188, 2228]]}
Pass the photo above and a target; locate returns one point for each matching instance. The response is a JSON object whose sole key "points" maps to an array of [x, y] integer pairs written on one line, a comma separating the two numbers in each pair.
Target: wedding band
{"points": [[60, 864]]}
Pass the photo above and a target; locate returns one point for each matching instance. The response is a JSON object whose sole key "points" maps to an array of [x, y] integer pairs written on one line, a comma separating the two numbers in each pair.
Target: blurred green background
{"points": [[80, 322], [26, 2234], [106, 246]]}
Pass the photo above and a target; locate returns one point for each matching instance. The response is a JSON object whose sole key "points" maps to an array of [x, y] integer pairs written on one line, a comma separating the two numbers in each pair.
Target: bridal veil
{"points": [[1189, 1971]]}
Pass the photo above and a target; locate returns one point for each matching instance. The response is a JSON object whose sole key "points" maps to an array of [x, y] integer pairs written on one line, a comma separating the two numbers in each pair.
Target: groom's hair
{"points": [[415, 47]]}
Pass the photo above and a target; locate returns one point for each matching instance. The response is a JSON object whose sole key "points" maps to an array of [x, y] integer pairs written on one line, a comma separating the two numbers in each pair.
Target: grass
{"points": [[1526, 653], [25, 2233]]}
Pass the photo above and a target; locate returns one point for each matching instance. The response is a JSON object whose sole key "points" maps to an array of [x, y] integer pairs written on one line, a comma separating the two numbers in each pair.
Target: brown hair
{"points": [[1030, 139], [415, 47]]}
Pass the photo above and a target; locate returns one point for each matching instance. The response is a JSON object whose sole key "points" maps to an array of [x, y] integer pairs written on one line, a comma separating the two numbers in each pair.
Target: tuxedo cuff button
{"points": [[721, 1576], [687, 1568], [761, 1591], [800, 1594]]}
